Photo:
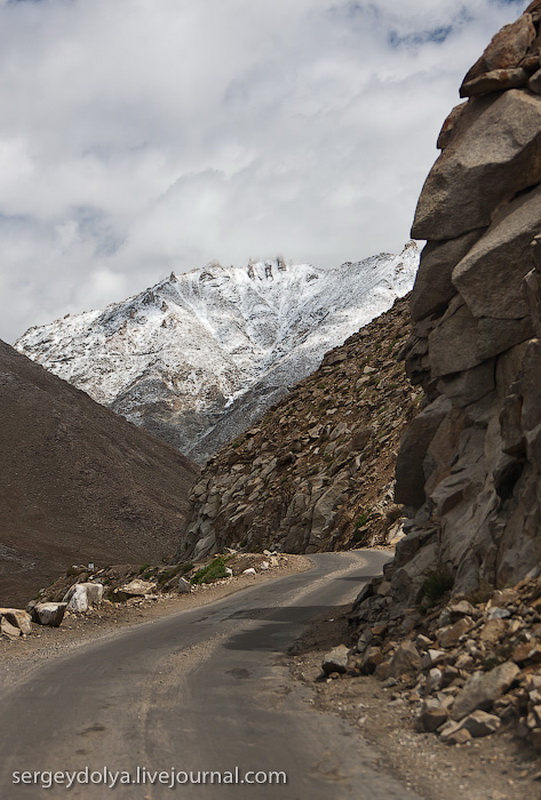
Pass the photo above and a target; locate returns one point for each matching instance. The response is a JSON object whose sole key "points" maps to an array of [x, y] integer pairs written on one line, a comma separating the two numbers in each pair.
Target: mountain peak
{"points": [[184, 356]]}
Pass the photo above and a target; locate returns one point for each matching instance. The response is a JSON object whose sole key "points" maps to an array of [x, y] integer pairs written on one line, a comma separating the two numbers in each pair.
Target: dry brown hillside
{"points": [[77, 483]]}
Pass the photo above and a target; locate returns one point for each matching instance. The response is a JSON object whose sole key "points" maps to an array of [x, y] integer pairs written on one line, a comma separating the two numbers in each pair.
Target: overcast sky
{"points": [[143, 136]]}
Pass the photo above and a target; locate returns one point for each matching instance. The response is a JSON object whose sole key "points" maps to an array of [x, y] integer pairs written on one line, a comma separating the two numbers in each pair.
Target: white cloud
{"points": [[142, 136]]}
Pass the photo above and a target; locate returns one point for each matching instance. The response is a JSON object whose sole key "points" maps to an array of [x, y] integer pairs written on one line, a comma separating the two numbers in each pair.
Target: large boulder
{"points": [[50, 614], [495, 154], [83, 596], [18, 618], [8, 630], [135, 588]]}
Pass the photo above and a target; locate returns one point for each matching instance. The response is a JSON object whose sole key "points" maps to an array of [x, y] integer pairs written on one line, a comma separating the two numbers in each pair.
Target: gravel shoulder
{"points": [[21, 657], [498, 767]]}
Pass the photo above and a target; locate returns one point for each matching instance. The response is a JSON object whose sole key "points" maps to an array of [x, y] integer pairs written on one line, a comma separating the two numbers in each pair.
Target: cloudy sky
{"points": [[141, 136]]}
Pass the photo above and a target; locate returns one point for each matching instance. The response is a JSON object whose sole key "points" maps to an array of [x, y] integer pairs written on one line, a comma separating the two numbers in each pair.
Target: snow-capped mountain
{"points": [[197, 358]]}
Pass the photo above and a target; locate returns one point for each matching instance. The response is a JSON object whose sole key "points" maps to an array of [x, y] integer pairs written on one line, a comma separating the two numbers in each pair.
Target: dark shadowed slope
{"points": [[77, 482]]}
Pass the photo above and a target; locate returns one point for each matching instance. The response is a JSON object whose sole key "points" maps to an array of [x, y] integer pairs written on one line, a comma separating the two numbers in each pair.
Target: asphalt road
{"points": [[202, 690]]}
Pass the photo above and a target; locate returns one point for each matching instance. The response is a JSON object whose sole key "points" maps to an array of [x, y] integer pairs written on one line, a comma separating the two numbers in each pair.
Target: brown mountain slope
{"points": [[317, 473], [77, 483]]}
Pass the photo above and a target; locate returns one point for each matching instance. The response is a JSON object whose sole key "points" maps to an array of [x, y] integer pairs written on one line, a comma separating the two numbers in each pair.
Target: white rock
{"points": [[50, 614], [249, 571], [82, 596], [138, 588]]}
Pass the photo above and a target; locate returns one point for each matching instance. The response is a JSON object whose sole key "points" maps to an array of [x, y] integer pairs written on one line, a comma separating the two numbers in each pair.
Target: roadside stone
{"points": [[453, 733], [336, 660], [461, 609], [434, 680], [521, 653], [82, 596], [371, 659], [433, 715], [382, 672], [498, 613], [405, 660], [18, 618], [422, 642], [8, 630], [50, 614], [249, 571], [432, 657], [533, 720], [184, 586], [479, 724], [494, 631], [137, 588], [449, 637], [483, 688], [464, 662]]}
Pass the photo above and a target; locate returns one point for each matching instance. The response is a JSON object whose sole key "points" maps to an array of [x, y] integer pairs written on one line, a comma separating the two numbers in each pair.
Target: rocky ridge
{"points": [[78, 482], [199, 357], [317, 472]]}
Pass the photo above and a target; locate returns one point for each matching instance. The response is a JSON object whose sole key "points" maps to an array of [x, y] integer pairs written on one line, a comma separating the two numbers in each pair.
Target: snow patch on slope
{"points": [[180, 355]]}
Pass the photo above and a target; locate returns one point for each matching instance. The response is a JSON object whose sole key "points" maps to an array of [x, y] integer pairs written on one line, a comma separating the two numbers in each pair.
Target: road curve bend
{"points": [[144, 714]]}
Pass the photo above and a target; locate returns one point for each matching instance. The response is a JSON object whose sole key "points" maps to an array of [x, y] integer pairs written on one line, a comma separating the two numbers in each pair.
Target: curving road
{"points": [[202, 690]]}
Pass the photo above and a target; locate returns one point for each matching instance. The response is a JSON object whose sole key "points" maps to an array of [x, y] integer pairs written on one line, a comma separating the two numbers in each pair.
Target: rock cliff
{"points": [[469, 466], [317, 472]]}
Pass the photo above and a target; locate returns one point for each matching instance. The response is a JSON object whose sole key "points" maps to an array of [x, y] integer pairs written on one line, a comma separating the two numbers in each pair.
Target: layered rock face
{"points": [[469, 467], [317, 473]]}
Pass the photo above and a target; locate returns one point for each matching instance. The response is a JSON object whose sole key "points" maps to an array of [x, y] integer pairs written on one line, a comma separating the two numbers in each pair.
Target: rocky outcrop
{"points": [[469, 467], [317, 472]]}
